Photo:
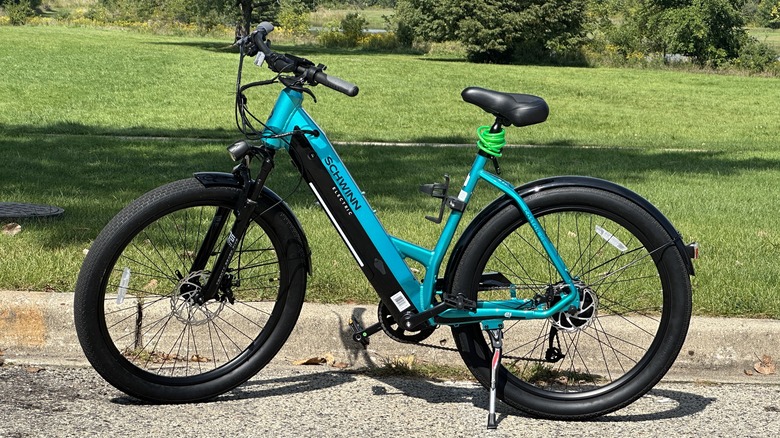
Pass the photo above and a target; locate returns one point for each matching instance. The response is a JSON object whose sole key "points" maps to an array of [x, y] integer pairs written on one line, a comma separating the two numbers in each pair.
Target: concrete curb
{"points": [[37, 328]]}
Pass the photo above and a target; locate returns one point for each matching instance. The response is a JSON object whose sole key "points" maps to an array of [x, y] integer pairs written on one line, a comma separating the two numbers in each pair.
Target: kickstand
{"points": [[496, 338]]}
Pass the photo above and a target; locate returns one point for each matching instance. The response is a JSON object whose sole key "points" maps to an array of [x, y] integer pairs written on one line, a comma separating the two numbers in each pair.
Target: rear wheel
{"points": [[136, 314], [633, 314]]}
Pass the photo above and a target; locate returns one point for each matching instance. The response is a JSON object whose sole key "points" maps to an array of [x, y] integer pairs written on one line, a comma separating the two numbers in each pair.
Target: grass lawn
{"points": [[766, 35], [703, 148], [89, 81], [326, 17]]}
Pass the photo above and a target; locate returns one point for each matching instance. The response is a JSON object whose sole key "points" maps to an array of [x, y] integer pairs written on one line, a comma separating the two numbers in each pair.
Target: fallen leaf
{"points": [[406, 361], [765, 365], [329, 358], [33, 370], [151, 286], [199, 358], [340, 365], [311, 361], [748, 372], [12, 229]]}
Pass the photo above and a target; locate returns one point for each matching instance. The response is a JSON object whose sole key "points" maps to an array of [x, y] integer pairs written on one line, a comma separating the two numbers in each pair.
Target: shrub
{"points": [[500, 30], [774, 16], [19, 12], [755, 56], [404, 34], [353, 26], [352, 31], [293, 17], [381, 41]]}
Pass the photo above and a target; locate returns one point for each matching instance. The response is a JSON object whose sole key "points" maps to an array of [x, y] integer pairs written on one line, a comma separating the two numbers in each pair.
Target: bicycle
{"points": [[568, 297]]}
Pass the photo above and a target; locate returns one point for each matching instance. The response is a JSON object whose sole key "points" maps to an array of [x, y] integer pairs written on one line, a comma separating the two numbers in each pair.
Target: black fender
{"points": [[224, 179], [543, 184]]}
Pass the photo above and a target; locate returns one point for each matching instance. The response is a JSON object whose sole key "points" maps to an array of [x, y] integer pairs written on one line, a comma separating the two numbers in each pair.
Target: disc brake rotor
{"points": [[183, 305], [581, 317]]}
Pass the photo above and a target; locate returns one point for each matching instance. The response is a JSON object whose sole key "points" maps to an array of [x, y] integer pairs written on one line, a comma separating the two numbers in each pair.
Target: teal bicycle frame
{"points": [[364, 235]]}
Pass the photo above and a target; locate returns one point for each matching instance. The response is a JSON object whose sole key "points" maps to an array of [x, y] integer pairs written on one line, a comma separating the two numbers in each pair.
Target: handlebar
{"points": [[301, 67]]}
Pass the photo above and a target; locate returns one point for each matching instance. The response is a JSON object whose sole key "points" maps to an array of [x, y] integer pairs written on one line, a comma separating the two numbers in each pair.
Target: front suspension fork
{"points": [[244, 211]]}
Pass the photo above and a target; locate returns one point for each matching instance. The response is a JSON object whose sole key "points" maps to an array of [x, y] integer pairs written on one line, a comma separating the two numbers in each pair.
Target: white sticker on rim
{"points": [[123, 283], [611, 239]]}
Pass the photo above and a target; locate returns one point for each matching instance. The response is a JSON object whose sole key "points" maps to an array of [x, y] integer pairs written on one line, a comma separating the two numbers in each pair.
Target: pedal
{"points": [[359, 334], [460, 302]]}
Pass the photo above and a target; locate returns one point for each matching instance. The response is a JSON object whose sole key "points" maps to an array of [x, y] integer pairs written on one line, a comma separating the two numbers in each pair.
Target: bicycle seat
{"points": [[518, 109]]}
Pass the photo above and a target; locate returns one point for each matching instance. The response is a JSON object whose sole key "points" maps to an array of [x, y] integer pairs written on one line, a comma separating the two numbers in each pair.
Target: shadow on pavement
{"points": [[269, 387], [668, 404]]}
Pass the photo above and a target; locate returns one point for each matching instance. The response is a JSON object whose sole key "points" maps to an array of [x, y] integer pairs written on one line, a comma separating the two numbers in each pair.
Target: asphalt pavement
{"points": [[286, 401], [47, 388]]}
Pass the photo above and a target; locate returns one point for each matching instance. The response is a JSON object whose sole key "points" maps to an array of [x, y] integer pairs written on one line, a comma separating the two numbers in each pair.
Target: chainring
{"points": [[396, 332]]}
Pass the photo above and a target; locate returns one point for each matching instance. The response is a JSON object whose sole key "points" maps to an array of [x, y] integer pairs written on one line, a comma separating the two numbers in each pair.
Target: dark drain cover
{"points": [[16, 210]]}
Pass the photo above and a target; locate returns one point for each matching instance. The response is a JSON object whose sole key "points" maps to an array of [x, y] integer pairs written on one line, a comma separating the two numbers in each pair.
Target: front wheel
{"points": [[136, 316], [628, 329]]}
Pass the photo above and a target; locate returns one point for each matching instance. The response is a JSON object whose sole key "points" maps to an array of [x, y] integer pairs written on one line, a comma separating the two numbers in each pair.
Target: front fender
{"points": [[224, 179], [543, 184]]}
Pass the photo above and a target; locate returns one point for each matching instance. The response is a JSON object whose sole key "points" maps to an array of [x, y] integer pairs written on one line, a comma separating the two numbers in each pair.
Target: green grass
{"points": [[766, 35], [703, 148], [111, 82], [721, 199], [325, 17]]}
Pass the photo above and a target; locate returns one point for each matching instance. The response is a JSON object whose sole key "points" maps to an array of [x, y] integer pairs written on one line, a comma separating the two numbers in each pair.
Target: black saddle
{"points": [[517, 109]]}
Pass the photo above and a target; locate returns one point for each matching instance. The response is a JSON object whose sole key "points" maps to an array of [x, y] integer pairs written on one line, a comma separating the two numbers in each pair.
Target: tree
{"points": [[249, 11], [205, 13], [500, 30], [708, 31], [770, 12]]}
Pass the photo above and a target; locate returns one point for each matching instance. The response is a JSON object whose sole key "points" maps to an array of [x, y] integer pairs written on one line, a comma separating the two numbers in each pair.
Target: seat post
{"points": [[497, 126]]}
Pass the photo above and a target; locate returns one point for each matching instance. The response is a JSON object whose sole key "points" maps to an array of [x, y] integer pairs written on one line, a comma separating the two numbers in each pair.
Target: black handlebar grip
{"points": [[337, 84]]}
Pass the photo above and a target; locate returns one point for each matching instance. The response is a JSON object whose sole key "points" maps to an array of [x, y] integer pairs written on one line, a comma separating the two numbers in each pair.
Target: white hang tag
{"points": [[259, 59]]}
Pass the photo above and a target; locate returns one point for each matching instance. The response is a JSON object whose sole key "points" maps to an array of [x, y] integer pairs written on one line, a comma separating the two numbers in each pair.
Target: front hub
{"points": [[185, 304]]}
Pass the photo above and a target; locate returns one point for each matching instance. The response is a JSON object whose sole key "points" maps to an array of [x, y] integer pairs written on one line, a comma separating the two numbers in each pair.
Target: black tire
{"points": [[633, 321], [144, 338]]}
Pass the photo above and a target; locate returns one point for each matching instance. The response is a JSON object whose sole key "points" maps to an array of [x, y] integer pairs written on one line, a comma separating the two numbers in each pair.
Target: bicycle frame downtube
{"points": [[344, 204]]}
